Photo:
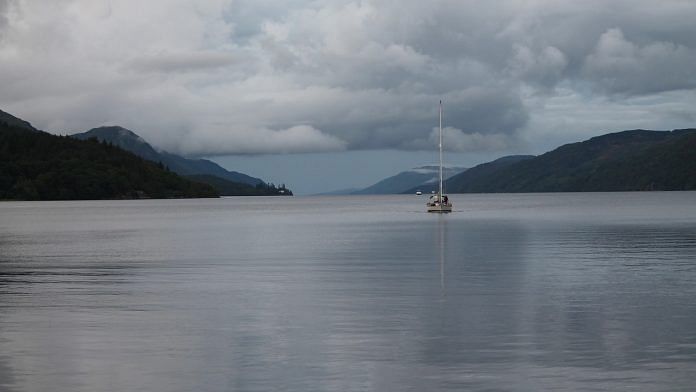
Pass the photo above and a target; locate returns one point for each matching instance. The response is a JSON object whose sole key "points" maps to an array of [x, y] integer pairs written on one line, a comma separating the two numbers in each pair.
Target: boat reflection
{"points": [[441, 233]]}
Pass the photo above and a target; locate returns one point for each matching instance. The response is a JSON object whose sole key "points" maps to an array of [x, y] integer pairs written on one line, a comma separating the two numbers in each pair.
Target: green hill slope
{"points": [[624, 161], [478, 176], [40, 166]]}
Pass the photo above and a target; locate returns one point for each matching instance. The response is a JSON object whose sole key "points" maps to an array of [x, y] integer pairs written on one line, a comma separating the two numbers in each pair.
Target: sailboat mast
{"points": [[440, 150]]}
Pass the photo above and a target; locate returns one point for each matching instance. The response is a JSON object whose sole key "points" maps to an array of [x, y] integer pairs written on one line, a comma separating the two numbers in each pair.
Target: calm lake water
{"points": [[562, 292]]}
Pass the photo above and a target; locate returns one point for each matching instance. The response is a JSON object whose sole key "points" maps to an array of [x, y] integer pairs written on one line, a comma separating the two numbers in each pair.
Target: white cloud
{"points": [[296, 139], [184, 61]]}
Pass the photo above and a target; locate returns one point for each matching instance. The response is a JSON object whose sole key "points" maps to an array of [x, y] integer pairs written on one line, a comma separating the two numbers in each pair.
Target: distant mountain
{"points": [[419, 177], [624, 161], [130, 141], [13, 121], [40, 166]]}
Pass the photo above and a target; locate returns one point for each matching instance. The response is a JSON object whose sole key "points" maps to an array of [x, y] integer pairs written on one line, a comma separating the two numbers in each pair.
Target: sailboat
{"points": [[439, 202]]}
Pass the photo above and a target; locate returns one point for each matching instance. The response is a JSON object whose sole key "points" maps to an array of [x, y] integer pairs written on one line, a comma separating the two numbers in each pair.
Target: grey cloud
{"points": [[456, 140], [545, 68], [4, 18], [389, 119], [297, 139], [326, 75], [183, 61], [620, 66], [249, 16]]}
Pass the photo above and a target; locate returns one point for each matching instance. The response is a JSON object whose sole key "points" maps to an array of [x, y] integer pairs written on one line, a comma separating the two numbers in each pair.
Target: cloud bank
{"points": [[215, 77]]}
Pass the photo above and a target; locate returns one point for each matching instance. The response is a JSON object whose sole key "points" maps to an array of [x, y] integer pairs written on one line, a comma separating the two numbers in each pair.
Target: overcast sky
{"points": [[349, 79]]}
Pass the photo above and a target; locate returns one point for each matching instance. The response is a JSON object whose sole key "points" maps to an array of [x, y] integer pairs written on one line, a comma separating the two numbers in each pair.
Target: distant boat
{"points": [[439, 202], [419, 193]]}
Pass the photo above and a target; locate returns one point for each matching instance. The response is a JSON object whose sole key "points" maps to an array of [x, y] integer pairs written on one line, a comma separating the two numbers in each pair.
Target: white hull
{"points": [[440, 208]]}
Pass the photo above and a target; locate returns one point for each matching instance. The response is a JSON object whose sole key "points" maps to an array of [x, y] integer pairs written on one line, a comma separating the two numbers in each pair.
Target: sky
{"points": [[324, 95]]}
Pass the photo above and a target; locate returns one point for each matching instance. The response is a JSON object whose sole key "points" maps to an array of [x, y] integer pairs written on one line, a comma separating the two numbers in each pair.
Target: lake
{"points": [[527, 292]]}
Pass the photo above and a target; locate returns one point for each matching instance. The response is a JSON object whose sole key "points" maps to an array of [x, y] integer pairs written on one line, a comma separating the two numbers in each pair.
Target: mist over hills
{"points": [[424, 177], [475, 173], [228, 183], [130, 141]]}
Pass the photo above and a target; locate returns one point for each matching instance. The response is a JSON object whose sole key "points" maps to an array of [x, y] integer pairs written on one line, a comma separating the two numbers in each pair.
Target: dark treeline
{"points": [[232, 188], [41, 166]]}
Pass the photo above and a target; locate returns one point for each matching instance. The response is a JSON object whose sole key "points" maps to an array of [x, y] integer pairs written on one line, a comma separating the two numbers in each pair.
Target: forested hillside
{"points": [[39, 166]]}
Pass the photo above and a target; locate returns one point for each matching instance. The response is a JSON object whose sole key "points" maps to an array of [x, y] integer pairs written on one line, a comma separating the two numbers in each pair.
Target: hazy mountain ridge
{"points": [[472, 174], [338, 192], [632, 160], [228, 183], [130, 141], [408, 179]]}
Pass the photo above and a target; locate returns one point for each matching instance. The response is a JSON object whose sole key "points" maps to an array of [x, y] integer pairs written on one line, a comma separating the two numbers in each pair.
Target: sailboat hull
{"points": [[440, 208]]}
